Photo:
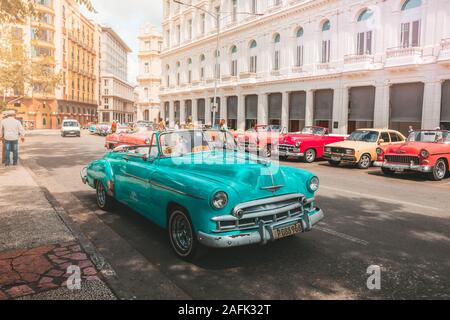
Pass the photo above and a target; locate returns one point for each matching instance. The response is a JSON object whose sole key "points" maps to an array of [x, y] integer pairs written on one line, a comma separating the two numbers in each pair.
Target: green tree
{"points": [[16, 11]]}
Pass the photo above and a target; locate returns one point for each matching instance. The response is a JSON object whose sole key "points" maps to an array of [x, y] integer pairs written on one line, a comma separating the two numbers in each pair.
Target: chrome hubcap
{"points": [[440, 169], [310, 155], [365, 161], [101, 196], [181, 232]]}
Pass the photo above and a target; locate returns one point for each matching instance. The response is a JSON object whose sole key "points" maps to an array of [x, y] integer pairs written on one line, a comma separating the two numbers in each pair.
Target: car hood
{"points": [[412, 148], [247, 174], [356, 145], [293, 138]]}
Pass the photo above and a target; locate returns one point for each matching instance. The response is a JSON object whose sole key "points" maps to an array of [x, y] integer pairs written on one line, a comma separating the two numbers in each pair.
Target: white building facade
{"points": [[149, 78], [342, 64], [117, 95]]}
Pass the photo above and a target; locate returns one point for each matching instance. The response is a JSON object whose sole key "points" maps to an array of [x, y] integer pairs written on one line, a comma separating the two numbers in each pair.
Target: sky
{"points": [[126, 17]]}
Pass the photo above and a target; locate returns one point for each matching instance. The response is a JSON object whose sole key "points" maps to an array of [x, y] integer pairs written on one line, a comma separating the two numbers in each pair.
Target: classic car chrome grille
{"points": [[286, 148], [338, 150], [266, 210], [402, 159]]}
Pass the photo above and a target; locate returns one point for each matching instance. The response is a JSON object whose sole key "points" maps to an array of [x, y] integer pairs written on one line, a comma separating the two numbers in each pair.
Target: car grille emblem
{"points": [[272, 188]]}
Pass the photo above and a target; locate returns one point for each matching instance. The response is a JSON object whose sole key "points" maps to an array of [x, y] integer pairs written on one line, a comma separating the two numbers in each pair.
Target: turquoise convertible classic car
{"points": [[205, 191]]}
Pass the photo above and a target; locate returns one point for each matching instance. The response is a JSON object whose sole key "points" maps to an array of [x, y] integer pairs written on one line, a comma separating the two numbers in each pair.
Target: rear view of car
{"points": [[70, 128]]}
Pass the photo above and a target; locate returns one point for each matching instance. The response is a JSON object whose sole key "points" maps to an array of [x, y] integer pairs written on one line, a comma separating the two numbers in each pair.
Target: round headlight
{"points": [[314, 184], [328, 149], [297, 144], [424, 154], [219, 200], [379, 151]]}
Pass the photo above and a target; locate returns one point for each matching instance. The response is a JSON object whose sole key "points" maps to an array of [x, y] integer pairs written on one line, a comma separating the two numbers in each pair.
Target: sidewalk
{"points": [[36, 246]]}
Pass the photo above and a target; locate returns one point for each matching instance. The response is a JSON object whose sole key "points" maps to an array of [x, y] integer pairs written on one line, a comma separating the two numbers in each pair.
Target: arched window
{"points": [[326, 42], [365, 15], [202, 67], [189, 62], [233, 63], [411, 4], [253, 63], [410, 27], [276, 52], [299, 49], [364, 40]]}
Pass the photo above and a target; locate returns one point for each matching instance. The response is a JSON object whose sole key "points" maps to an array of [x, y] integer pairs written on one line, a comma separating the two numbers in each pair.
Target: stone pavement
{"points": [[37, 247]]}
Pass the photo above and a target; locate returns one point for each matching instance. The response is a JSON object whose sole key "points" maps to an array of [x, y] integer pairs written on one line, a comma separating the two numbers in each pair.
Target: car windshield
{"points": [[70, 124], [176, 144], [364, 136], [314, 130], [430, 136], [271, 128], [221, 140]]}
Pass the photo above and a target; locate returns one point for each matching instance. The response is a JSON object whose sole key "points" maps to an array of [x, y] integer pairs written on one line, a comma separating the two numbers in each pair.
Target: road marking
{"points": [[363, 195], [342, 235]]}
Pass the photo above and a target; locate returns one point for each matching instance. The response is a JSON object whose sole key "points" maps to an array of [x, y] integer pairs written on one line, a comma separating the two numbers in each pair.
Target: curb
{"points": [[106, 270]]}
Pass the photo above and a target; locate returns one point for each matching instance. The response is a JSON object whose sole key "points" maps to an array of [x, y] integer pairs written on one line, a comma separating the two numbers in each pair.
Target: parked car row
{"points": [[204, 190]]}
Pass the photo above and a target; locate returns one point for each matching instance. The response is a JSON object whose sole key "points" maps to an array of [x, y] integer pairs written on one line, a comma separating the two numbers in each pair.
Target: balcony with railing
{"points": [[357, 62], [403, 56], [444, 54]]}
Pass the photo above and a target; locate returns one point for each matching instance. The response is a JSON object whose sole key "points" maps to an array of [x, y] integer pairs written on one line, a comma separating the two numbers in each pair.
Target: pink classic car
{"points": [[308, 144]]}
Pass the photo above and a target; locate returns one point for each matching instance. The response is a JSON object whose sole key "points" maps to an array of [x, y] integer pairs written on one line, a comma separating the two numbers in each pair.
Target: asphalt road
{"points": [[400, 223]]}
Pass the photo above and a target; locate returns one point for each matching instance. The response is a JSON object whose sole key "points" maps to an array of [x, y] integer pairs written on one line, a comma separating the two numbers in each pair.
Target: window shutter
{"points": [[405, 35], [361, 43], [369, 42], [415, 34]]}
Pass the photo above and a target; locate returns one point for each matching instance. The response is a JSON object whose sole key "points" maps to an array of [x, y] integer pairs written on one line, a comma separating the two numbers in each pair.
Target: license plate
{"points": [[287, 231], [335, 158]]}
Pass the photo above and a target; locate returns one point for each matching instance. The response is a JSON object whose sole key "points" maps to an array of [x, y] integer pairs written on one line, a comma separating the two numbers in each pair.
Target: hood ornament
{"points": [[272, 188]]}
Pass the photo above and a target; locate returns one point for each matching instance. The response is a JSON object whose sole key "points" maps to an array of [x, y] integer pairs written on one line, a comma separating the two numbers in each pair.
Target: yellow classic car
{"points": [[360, 147]]}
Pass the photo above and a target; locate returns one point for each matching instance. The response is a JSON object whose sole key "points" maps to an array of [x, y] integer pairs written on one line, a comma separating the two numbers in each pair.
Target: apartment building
{"points": [[117, 95], [341, 64], [62, 32], [149, 78]]}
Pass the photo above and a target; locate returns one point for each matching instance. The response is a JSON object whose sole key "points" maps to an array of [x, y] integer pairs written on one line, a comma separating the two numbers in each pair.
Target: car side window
{"points": [[394, 137], [153, 151], [385, 137]]}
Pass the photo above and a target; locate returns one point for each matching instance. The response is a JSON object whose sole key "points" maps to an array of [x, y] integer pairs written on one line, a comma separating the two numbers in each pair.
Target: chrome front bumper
{"points": [[262, 235], [83, 174], [403, 167]]}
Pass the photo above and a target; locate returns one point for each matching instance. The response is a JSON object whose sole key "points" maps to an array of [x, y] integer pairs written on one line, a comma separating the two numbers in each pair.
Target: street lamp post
{"points": [[217, 17]]}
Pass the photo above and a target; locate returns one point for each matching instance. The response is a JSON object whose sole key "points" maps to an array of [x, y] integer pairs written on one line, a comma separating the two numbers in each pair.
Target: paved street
{"points": [[401, 224]]}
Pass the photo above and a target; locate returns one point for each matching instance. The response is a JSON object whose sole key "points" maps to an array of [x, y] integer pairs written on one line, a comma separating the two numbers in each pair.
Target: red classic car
{"points": [[426, 151], [127, 139], [261, 139], [308, 144]]}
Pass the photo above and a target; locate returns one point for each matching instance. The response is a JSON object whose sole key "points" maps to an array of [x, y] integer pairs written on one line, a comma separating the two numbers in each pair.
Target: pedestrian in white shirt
{"points": [[11, 130]]}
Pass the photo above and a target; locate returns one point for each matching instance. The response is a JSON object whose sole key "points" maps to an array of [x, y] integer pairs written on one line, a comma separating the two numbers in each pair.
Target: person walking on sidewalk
{"points": [[11, 130]]}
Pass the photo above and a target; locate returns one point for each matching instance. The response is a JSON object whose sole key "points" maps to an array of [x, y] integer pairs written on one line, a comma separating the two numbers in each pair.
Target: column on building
{"points": [[163, 110], [309, 110], [432, 102], [381, 110], [241, 112], [285, 110], [223, 108], [194, 110], [208, 119], [182, 112], [171, 113], [263, 109]]}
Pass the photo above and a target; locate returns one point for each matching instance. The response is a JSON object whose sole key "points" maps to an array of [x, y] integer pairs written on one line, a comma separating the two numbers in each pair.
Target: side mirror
{"points": [[381, 141], [148, 158]]}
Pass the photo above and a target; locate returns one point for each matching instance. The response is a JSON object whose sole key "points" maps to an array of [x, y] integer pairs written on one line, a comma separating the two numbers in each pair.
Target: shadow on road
{"points": [[410, 248]]}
